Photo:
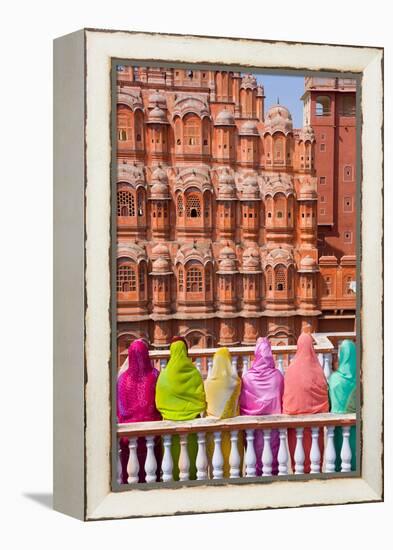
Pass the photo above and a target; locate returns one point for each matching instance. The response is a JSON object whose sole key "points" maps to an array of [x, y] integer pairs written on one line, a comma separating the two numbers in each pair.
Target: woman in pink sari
{"points": [[261, 393], [305, 392], [136, 387]]}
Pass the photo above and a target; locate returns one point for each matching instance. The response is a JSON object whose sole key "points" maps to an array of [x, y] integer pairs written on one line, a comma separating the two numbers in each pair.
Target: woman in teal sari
{"points": [[342, 395]]}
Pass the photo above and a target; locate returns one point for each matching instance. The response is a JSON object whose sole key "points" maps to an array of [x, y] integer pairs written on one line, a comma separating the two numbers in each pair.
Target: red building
{"points": [[330, 108], [217, 202]]}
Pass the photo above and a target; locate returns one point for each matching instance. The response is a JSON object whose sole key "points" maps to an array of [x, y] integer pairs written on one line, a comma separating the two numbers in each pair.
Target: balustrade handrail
{"points": [[322, 345], [209, 424]]}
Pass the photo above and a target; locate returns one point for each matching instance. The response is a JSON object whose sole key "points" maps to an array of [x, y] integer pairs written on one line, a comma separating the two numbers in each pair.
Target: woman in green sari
{"points": [[180, 396], [342, 395]]}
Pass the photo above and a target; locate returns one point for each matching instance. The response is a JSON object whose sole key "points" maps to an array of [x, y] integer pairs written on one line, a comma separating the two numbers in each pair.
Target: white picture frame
{"points": [[82, 245]]}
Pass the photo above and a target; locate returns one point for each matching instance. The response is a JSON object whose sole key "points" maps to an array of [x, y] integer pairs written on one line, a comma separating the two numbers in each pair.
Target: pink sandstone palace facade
{"points": [[230, 222]]}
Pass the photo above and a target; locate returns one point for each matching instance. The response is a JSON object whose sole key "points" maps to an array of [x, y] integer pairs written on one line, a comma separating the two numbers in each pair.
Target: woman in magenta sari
{"points": [[136, 388], [261, 393]]}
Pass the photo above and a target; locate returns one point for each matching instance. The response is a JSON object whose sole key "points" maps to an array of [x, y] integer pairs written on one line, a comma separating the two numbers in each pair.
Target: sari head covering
{"points": [[305, 390], [342, 394], [179, 339], [180, 394], [342, 382], [222, 387], [262, 384], [136, 386]]}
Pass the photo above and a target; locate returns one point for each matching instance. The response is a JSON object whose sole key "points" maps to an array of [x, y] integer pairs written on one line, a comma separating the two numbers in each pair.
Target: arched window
{"points": [[193, 206], [208, 276], [138, 117], [180, 206], [278, 148], [142, 278], [194, 280], [180, 280], [269, 278], [322, 105], [125, 203], [126, 278], [207, 206], [280, 278], [124, 123], [141, 202], [192, 130]]}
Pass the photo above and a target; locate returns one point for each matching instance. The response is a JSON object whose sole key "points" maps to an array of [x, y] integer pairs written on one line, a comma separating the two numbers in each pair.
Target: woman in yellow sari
{"points": [[180, 396], [222, 390]]}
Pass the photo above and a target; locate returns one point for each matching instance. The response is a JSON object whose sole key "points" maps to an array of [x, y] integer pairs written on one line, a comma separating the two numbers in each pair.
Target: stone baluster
{"points": [[234, 456], [184, 461], [283, 453], [315, 453], [150, 462], [327, 365], [162, 364], [209, 365], [234, 364], [330, 453], [218, 459], [167, 462], [201, 459], [245, 364], [346, 453], [133, 462], [280, 364], [198, 364], [267, 455], [251, 458], [119, 467], [299, 452]]}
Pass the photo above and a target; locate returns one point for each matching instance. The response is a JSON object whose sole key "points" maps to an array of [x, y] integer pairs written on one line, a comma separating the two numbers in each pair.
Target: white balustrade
{"points": [[283, 453], [184, 461], [280, 364], [209, 366], [133, 462], [245, 365], [234, 364], [250, 458], [299, 452], [167, 461], [267, 455], [320, 359], [198, 364], [150, 463], [315, 453], [218, 459], [234, 456], [327, 365], [330, 453], [201, 459], [346, 453]]}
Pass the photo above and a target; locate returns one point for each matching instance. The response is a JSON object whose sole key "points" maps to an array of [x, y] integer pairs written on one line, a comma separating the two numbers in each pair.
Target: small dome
{"points": [[251, 260], [249, 81], [159, 190], [157, 99], [157, 116], [227, 259], [250, 188], [307, 261], [224, 118], [307, 134], [249, 128], [161, 265], [278, 119], [158, 174], [226, 186]]}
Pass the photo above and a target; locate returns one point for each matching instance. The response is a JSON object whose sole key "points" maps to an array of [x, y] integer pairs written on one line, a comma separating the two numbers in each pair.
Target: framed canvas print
{"points": [[218, 274]]}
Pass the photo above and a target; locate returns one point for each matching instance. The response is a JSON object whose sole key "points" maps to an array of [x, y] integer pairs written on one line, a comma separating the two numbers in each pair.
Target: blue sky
{"points": [[288, 89]]}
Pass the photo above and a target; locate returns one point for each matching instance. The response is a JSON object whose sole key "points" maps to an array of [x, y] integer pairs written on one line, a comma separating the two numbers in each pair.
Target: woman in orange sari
{"points": [[305, 392]]}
